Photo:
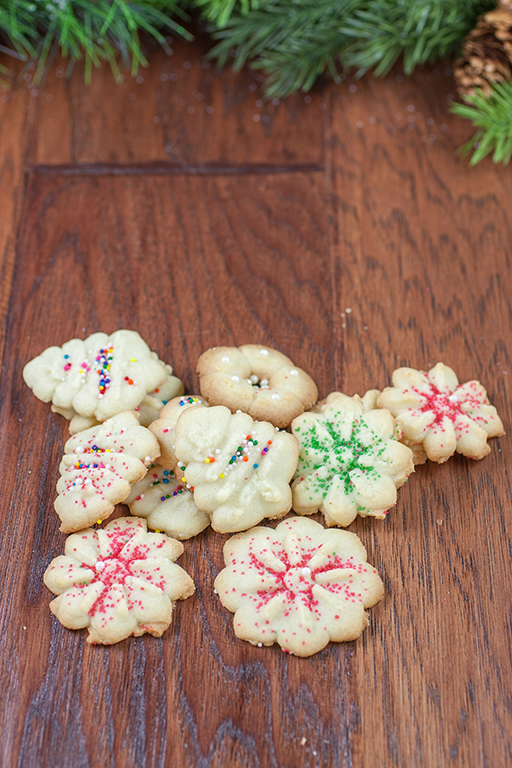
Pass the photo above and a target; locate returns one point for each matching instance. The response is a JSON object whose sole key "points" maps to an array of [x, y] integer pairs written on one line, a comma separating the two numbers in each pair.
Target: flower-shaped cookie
{"points": [[239, 469], [164, 428], [257, 380], [349, 461], [166, 504], [98, 468], [100, 377], [118, 581], [436, 414], [299, 585], [148, 410]]}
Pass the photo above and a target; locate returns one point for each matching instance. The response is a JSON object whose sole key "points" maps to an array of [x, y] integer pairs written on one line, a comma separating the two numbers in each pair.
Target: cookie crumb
{"points": [[303, 741]]}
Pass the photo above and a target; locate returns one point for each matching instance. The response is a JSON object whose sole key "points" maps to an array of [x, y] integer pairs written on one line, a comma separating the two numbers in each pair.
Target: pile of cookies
{"points": [[256, 443]]}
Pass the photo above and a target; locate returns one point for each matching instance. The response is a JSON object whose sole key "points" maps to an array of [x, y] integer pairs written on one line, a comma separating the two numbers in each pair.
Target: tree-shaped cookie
{"points": [[349, 461], [437, 415], [239, 469], [98, 377], [117, 581], [299, 585], [99, 467]]}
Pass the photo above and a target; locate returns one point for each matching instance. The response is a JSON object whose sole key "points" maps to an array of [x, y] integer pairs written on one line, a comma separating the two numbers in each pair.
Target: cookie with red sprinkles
{"points": [[99, 467], [300, 585], [437, 415], [118, 581], [350, 462], [257, 380]]}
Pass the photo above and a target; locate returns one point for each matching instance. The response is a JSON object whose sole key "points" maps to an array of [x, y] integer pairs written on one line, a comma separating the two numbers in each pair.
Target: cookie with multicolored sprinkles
{"points": [[166, 504], [118, 581], [257, 380], [99, 377], [238, 469], [99, 467], [438, 416], [164, 428], [350, 462], [300, 585], [148, 410]]}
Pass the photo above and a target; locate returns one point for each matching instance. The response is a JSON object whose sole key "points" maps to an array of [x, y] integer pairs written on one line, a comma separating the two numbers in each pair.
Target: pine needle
{"points": [[294, 41], [93, 30], [492, 116]]}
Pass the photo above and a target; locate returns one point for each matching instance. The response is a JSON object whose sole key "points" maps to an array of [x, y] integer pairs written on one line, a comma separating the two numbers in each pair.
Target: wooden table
{"points": [[343, 229]]}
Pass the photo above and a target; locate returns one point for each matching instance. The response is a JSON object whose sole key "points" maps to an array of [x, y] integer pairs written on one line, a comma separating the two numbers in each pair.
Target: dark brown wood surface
{"points": [[343, 229]]}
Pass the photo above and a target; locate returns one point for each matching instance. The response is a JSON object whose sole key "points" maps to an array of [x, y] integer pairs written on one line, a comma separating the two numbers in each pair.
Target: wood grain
{"points": [[264, 231]]}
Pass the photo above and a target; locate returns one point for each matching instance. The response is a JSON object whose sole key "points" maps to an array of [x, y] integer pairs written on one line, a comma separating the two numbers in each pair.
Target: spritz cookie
{"points": [[350, 462], [300, 585], [99, 377], [118, 581], [440, 417], [164, 428], [166, 504], [239, 469], [148, 410], [257, 380], [99, 467]]}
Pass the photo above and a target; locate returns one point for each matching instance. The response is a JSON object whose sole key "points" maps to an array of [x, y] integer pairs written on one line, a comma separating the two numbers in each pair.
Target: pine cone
{"points": [[486, 52]]}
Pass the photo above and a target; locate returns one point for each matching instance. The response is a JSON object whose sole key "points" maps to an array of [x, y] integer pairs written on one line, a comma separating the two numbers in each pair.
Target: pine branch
{"points": [[294, 42], [219, 11], [95, 30], [492, 116]]}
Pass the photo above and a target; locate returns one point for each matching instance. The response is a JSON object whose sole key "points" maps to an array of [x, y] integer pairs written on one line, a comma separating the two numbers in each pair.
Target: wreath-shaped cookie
{"points": [[299, 585], [117, 581], [350, 462], [257, 380], [438, 417]]}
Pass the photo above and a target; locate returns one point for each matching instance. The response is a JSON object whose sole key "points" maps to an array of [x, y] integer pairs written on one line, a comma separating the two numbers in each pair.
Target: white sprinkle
{"points": [[453, 398], [79, 449], [215, 592], [100, 566], [148, 458], [225, 359], [275, 396], [254, 379], [235, 378], [294, 372], [238, 411], [348, 310], [217, 451], [100, 397], [263, 351], [260, 645], [306, 571]]}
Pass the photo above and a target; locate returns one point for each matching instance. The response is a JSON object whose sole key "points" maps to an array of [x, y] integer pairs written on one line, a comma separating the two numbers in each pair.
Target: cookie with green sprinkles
{"points": [[350, 462], [166, 504]]}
